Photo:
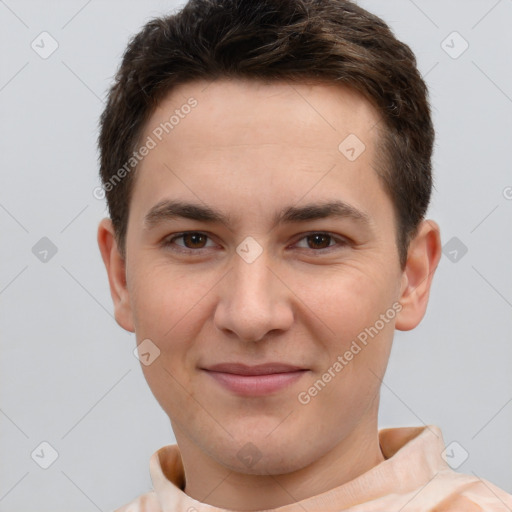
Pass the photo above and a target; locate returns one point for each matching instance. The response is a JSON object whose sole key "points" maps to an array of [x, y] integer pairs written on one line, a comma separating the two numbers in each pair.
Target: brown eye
{"points": [[319, 241], [194, 240], [189, 242], [322, 242]]}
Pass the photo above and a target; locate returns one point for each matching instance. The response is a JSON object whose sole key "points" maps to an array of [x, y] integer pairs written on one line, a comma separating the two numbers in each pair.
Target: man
{"points": [[267, 167]]}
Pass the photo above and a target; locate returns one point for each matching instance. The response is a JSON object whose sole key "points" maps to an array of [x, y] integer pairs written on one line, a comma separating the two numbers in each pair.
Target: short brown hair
{"points": [[331, 41]]}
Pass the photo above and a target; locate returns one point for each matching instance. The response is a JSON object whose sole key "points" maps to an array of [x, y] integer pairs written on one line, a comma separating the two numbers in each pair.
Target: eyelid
{"points": [[341, 241]]}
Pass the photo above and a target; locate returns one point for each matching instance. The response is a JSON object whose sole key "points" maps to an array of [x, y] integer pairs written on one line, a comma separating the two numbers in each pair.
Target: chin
{"points": [[261, 455]]}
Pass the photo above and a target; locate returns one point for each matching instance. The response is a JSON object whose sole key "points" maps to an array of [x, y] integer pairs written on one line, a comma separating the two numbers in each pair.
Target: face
{"points": [[260, 253]]}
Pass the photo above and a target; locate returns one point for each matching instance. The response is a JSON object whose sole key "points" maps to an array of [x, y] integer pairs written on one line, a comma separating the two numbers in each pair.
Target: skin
{"points": [[249, 149]]}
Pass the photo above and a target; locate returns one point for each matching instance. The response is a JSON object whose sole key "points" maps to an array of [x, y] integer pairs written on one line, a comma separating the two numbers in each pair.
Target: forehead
{"points": [[266, 108], [239, 141]]}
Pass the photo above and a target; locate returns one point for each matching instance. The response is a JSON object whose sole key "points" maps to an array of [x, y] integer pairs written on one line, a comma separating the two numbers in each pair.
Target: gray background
{"points": [[68, 373]]}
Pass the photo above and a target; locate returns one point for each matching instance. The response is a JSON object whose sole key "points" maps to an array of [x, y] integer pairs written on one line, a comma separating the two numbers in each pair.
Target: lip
{"points": [[259, 380]]}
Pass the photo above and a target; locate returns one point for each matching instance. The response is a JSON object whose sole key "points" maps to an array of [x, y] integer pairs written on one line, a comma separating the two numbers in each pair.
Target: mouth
{"points": [[259, 380]]}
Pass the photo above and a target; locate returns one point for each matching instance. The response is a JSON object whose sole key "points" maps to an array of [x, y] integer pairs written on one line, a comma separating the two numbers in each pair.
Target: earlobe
{"points": [[422, 260], [116, 270]]}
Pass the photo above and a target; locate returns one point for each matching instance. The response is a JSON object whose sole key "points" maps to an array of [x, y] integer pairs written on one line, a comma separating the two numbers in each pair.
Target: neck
{"points": [[210, 482]]}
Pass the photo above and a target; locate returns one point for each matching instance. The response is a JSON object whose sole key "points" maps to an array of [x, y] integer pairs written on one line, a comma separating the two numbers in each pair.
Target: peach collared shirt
{"points": [[413, 478]]}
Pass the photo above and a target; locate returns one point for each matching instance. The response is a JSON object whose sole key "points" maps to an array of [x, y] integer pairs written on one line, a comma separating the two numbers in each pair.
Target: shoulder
{"points": [[466, 493], [147, 502]]}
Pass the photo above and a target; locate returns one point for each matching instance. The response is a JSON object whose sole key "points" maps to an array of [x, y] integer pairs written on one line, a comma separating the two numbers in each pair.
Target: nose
{"points": [[254, 302]]}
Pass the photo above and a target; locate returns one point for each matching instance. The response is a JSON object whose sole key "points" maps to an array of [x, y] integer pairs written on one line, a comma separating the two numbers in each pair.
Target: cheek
{"points": [[164, 299], [166, 304], [355, 337], [345, 300]]}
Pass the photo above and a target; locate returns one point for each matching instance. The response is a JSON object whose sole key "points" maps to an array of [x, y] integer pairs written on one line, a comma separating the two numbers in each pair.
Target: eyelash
{"points": [[168, 242]]}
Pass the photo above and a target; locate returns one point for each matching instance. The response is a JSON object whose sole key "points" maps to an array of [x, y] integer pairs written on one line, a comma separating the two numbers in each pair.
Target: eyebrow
{"points": [[168, 210]]}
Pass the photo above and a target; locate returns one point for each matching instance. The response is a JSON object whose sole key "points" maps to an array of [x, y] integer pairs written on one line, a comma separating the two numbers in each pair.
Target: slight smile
{"points": [[259, 380]]}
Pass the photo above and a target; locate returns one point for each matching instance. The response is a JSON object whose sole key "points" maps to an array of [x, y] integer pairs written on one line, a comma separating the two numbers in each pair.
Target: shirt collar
{"points": [[413, 458]]}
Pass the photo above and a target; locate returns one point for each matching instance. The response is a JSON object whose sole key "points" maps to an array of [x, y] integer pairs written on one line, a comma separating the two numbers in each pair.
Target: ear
{"points": [[116, 270], [422, 259]]}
